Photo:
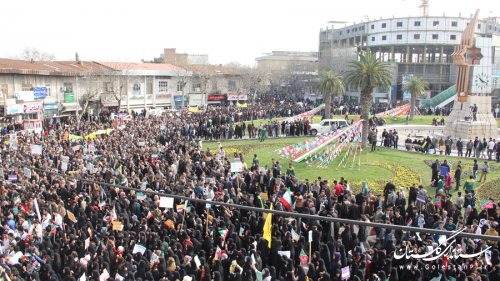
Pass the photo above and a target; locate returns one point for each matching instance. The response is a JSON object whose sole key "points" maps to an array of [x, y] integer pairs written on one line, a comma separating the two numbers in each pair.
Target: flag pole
{"points": [[207, 221]]}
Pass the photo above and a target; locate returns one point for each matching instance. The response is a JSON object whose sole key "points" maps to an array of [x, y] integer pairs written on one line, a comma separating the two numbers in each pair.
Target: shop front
{"points": [[109, 103], [178, 101], [32, 110], [71, 107], [50, 109], [216, 99]]}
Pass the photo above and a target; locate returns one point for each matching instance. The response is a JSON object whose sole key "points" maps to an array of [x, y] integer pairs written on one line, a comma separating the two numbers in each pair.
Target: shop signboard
{"points": [[32, 107], [215, 98], [25, 96], [13, 109], [69, 97], [236, 96], [40, 92]]}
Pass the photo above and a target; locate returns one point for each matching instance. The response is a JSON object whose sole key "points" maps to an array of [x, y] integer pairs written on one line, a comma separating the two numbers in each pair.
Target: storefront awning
{"points": [[50, 106], [71, 107]]}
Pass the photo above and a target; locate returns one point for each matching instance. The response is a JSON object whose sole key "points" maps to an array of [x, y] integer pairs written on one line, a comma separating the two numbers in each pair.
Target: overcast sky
{"points": [[226, 30]]}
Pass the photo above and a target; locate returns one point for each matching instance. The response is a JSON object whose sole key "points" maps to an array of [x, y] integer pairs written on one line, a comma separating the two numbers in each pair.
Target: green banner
{"points": [[69, 97]]}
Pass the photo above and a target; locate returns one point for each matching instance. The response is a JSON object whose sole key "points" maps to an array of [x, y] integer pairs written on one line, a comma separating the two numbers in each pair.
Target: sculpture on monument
{"points": [[471, 115]]}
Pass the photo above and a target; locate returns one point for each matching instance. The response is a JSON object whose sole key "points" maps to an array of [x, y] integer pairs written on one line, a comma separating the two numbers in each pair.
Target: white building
{"points": [[31, 90], [419, 46]]}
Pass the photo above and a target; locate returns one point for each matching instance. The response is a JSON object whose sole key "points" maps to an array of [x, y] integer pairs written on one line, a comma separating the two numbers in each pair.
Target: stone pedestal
{"points": [[460, 123]]}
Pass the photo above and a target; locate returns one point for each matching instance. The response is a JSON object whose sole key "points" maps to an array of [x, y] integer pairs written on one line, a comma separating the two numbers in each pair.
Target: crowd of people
{"points": [[93, 208]]}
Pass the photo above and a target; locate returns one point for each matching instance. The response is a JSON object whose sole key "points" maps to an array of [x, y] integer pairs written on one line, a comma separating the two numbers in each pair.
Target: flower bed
{"points": [[401, 176], [489, 189]]}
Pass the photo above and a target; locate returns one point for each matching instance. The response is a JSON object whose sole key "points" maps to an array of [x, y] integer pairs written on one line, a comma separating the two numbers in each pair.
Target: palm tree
{"points": [[366, 74], [414, 86], [331, 83]]}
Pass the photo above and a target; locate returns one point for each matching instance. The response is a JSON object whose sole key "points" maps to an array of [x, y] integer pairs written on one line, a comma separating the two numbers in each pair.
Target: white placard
{"points": [[197, 261], [13, 141], [37, 210], [284, 253], [139, 249], [346, 273], [236, 167], [27, 173], [87, 243], [104, 275], [295, 236], [36, 149], [64, 163], [166, 202], [208, 205], [310, 236]]}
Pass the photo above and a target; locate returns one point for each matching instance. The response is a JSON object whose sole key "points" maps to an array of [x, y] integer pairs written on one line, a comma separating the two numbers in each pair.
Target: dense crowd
{"points": [[56, 227]]}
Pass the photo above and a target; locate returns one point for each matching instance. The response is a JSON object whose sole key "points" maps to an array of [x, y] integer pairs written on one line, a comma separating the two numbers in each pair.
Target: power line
{"points": [[277, 212]]}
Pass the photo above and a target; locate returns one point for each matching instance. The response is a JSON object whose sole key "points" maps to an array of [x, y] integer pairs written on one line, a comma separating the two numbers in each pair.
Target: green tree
{"points": [[366, 74], [331, 83], [415, 86]]}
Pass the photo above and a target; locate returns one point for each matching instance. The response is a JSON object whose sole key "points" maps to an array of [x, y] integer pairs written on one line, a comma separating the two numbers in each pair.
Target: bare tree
{"points": [[93, 91], [183, 76], [33, 54], [255, 81]]}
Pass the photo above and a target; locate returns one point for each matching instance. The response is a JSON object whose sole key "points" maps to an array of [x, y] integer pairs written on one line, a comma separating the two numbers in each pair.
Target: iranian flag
{"points": [[223, 233], [218, 253], [286, 200], [303, 257], [113, 216], [154, 158]]}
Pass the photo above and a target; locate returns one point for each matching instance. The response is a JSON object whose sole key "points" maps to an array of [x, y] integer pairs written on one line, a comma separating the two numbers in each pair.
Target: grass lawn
{"points": [[377, 167], [399, 120]]}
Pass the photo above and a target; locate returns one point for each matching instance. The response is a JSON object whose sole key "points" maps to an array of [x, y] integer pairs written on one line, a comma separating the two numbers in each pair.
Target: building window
{"points": [[399, 36], [435, 23], [453, 37], [399, 24], [26, 87], [162, 86], [373, 38], [416, 36], [68, 88], [214, 85], [108, 86], [348, 31], [435, 36], [454, 24], [384, 37], [373, 26], [180, 86], [384, 25], [4, 89], [489, 27], [478, 26], [416, 23], [340, 33], [197, 87], [47, 86], [231, 85]]}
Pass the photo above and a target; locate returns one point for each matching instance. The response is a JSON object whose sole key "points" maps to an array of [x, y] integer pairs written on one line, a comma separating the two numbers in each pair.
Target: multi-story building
{"points": [[216, 84], [292, 72], [419, 46], [33, 89]]}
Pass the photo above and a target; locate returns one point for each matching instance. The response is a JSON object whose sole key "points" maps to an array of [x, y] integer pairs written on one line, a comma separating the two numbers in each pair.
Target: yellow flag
{"points": [[71, 216], [268, 227]]}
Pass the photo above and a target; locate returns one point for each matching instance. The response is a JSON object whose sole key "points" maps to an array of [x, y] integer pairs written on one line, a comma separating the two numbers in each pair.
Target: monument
{"points": [[472, 112]]}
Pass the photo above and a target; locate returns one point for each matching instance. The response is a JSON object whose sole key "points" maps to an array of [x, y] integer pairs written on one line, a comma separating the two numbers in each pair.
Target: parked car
{"points": [[327, 126]]}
